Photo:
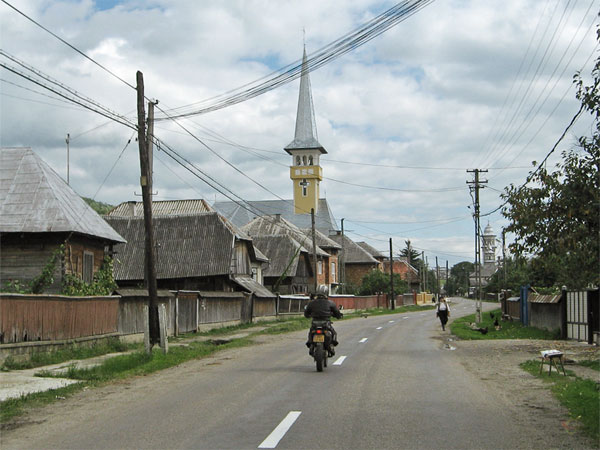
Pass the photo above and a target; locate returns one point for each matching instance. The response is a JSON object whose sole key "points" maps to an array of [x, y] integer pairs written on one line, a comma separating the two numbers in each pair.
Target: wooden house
{"points": [[39, 213], [326, 249], [200, 252]]}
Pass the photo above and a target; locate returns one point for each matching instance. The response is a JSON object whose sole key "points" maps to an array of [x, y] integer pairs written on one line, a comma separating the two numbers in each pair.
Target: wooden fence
{"points": [[29, 318]]}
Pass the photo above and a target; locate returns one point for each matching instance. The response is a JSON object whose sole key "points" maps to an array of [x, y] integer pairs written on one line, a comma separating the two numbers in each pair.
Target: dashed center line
{"points": [[392, 321], [363, 340], [378, 328], [277, 434], [339, 361]]}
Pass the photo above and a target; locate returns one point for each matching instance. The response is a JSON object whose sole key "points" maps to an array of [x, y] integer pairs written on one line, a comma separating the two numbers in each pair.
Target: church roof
{"points": [[241, 215], [305, 137], [35, 199]]}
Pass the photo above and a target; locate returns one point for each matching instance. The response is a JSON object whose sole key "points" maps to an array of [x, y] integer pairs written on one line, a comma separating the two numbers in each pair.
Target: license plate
{"points": [[319, 338]]}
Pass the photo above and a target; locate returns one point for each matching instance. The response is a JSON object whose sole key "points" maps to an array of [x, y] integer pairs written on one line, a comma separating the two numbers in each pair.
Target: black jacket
{"points": [[322, 309]]}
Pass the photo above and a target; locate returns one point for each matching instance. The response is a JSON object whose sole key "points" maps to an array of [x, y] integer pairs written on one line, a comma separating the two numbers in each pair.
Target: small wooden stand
{"points": [[550, 357]]}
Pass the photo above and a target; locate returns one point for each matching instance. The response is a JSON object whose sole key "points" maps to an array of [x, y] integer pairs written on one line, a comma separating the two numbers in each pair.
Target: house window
{"points": [[88, 267], [304, 184], [333, 272], [310, 160], [254, 273], [298, 161], [320, 267]]}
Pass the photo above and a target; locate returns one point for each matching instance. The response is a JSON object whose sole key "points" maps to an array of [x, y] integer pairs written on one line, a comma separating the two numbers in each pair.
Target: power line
{"points": [[337, 48], [69, 45]]}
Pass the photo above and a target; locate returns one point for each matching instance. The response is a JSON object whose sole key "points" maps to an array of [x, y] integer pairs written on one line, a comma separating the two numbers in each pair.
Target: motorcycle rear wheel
{"points": [[319, 357]]}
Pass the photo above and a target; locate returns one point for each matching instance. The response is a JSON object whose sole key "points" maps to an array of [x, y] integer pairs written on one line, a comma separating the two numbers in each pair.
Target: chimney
{"points": [[131, 208]]}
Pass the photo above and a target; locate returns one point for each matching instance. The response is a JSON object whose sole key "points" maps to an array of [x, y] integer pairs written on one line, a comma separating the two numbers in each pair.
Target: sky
{"points": [[459, 85]]}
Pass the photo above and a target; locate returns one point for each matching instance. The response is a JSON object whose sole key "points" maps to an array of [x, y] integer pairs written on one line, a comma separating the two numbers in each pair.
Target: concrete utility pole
{"points": [[314, 245], [437, 276], [393, 301], [422, 288], [146, 184], [474, 186]]}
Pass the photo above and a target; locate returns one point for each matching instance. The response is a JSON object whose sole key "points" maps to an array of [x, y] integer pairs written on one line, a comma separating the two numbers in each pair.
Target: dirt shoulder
{"points": [[497, 362]]}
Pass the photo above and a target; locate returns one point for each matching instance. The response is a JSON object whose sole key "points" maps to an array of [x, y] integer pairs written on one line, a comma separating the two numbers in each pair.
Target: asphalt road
{"points": [[393, 384]]}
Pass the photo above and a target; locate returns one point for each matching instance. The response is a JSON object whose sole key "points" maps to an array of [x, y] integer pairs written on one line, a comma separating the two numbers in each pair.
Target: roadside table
{"points": [[551, 357]]}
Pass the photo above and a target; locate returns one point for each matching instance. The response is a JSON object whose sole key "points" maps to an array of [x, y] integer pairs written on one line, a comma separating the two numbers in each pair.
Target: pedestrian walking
{"points": [[443, 312]]}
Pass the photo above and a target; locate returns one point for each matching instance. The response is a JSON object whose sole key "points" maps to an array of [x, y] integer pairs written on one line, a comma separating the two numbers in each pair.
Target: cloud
{"points": [[436, 95]]}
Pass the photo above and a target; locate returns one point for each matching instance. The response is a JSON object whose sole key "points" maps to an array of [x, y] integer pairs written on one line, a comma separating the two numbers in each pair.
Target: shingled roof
{"points": [[276, 225], [353, 253], [371, 250], [282, 251], [190, 246], [35, 199]]}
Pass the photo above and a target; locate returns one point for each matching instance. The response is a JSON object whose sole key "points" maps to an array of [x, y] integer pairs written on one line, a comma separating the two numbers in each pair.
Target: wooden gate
{"points": [[577, 315]]}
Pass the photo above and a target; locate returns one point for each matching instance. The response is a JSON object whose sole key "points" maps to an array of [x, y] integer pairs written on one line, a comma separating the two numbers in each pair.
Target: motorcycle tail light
{"points": [[319, 331]]}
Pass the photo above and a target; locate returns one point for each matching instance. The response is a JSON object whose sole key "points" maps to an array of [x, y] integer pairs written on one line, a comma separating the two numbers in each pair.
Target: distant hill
{"points": [[99, 207]]}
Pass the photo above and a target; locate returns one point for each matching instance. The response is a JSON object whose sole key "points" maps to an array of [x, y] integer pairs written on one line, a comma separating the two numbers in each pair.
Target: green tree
{"points": [[458, 280], [377, 282], [411, 255], [556, 219], [99, 207]]}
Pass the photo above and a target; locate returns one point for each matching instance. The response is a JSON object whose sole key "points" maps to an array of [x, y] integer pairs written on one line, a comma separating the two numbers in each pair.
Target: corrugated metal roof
{"points": [[240, 216], [276, 225], [162, 208], [253, 286], [353, 253], [279, 249], [35, 199], [187, 246], [539, 298]]}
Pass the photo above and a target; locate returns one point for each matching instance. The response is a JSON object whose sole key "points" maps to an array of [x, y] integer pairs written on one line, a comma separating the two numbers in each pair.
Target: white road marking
{"points": [[363, 340], [379, 328], [392, 321], [339, 361], [277, 434], [405, 317]]}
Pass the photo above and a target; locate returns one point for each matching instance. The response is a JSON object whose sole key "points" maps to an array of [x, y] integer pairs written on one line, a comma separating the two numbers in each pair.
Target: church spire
{"points": [[305, 136]]}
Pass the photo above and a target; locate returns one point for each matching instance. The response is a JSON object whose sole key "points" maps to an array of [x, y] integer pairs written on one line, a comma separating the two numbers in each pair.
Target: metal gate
{"points": [[577, 316]]}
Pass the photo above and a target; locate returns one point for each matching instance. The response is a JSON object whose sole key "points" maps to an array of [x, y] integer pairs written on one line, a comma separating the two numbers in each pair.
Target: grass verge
{"points": [[580, 396], [113, 345], [509, 330]]}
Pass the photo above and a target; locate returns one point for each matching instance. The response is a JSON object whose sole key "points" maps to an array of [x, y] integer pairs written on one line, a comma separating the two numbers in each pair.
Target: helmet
{"points": [[323, 290]]}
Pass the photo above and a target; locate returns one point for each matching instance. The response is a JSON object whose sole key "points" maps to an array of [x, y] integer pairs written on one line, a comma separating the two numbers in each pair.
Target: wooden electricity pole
{"points": [[146, 184]]}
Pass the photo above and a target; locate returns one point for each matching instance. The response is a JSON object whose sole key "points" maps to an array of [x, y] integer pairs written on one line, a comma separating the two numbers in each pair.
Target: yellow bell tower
{"points": [[305, 171]]}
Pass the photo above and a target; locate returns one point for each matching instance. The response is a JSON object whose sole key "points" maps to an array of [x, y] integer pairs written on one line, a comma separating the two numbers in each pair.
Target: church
{"points": [[306, 174]]}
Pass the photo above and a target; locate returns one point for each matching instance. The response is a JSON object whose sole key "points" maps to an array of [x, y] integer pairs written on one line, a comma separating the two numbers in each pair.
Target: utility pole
{"points": [[474, 186], [146, 184], [437, 276], [408, 258], [343, 263], [314, 245], [68, 140], [422, 288], [393, 303], [446, 284]]}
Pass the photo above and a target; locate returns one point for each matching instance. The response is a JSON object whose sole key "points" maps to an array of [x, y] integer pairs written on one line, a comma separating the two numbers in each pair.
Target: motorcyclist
{"points": [[321, 309]]}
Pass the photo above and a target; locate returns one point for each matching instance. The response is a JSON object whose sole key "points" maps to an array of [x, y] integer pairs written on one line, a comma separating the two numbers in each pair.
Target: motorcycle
{"points": [[320, 341]]}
